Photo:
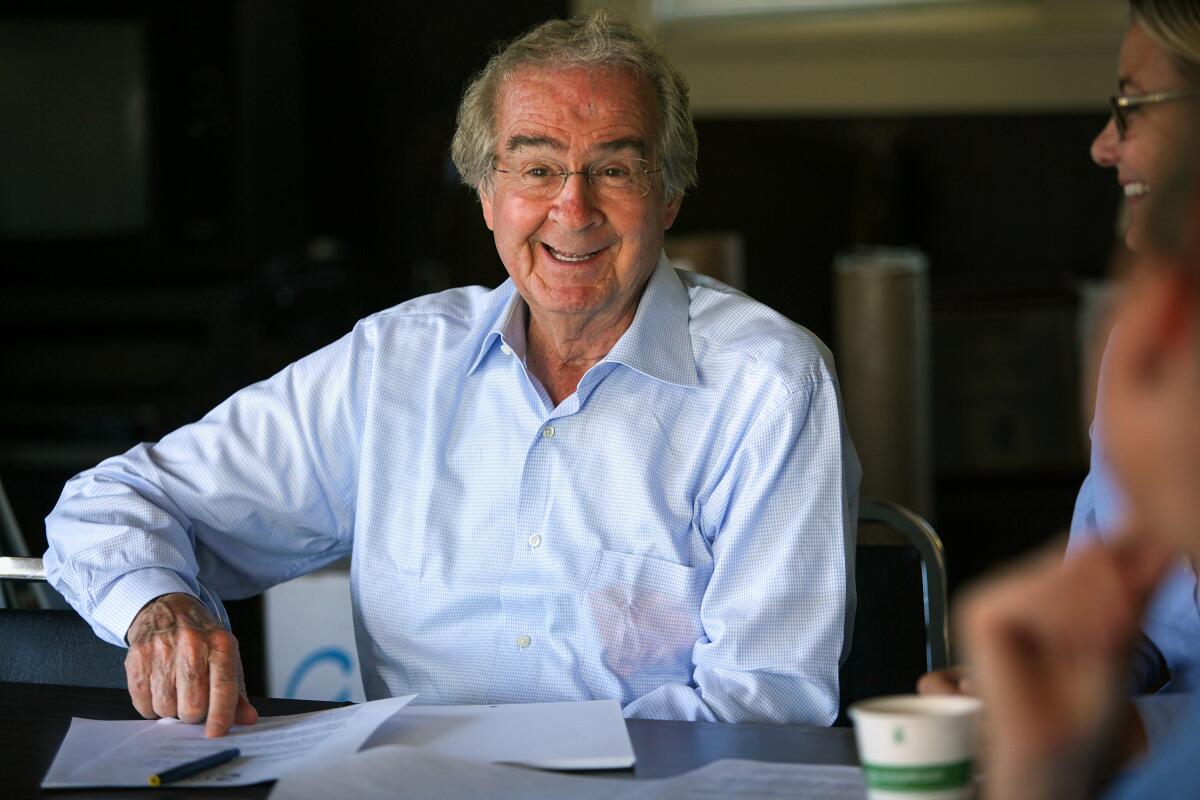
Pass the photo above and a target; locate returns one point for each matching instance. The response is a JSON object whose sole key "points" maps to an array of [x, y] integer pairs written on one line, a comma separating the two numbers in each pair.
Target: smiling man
{"points": [[604, 479]]}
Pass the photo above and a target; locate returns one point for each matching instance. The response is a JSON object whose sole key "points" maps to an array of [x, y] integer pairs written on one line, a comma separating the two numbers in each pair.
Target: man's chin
{"points": [[567, 300]]}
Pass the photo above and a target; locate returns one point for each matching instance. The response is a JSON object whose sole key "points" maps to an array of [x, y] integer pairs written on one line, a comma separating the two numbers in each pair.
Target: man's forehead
{"points": [[615, 145], [559, 105]]}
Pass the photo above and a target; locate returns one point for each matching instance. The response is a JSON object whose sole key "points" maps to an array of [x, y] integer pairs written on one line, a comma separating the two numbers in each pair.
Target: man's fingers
{"points": [[182, 663], [223, 698], [191, 677], [951, 680], [225, 685], [1144, 563], [246, 714], [162, 678], [137, 678]]}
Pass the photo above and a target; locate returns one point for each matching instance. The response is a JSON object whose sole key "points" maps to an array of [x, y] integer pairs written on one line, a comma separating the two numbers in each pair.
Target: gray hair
{"points": [[1174, 25], [597, 40]]}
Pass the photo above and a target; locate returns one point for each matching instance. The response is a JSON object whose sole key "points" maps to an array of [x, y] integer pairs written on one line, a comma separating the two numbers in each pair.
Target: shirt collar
{"points": [[658, 343], [508, 312]]}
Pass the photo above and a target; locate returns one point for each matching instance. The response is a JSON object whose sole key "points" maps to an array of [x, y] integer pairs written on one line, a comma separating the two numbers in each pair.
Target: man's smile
{"points": [[572, 257]]}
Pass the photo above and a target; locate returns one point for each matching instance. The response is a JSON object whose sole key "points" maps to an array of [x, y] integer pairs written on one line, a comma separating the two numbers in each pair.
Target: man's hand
{"points": [[183, 663], [1049, 648], [951, 680]]}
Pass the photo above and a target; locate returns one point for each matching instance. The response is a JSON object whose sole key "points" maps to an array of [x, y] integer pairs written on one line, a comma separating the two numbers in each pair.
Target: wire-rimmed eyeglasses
{"points": [[612, 178], [1122, 104]]}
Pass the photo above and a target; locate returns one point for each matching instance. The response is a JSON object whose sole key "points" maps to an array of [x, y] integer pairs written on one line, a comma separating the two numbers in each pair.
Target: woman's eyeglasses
{"points": [[1123, 104]]}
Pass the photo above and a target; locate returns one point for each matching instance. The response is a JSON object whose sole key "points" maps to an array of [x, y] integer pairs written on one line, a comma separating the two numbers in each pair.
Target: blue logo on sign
{"points": [[335, 655]]}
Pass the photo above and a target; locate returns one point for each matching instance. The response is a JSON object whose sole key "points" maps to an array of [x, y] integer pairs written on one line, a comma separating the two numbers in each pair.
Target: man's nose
{"points": [[575, 206], [1106, 145]]}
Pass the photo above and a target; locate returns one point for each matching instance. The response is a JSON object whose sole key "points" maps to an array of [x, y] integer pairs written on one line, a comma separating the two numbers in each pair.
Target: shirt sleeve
{"points": [[1172, 769], [1090, 520], [777, 609], [1099, 507], [258, 491], [1161, 714]]}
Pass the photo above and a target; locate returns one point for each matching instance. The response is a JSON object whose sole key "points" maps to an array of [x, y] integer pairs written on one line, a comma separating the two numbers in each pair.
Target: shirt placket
{"points": [[527, 592]]}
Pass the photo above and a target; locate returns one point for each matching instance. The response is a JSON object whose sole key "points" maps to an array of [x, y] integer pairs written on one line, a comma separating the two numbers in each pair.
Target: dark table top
{"points": [[35, 717]]}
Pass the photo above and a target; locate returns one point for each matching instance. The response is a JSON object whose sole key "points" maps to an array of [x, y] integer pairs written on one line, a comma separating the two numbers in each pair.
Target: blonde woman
{"points": [[1049, 645], [1158, 84]]}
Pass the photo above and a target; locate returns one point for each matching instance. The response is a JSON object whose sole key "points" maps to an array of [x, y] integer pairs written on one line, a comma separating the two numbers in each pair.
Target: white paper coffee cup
{"points": [[915, 747]]}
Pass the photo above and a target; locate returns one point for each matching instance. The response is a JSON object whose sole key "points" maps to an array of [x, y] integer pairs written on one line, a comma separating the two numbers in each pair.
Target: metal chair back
{"points": [[52, 645], [900, 628], [921, 536]]}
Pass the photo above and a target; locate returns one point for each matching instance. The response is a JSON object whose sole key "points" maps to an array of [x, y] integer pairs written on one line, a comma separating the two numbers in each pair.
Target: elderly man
{"points": [[604, 479]]}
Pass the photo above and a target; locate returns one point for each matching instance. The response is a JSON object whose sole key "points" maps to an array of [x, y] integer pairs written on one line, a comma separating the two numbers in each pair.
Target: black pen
{"points": [[190, 768]]}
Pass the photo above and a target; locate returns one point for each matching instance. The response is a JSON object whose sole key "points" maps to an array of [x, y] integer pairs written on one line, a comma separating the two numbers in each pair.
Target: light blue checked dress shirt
{"points": [[677, 534]]}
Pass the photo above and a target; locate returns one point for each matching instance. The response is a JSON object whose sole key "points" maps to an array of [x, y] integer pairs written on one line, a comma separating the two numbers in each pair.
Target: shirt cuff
{"points": [[128, 595]]}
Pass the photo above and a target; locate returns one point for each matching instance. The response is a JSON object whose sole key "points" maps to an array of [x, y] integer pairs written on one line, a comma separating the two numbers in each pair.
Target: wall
{"points": [[1027, 55]]}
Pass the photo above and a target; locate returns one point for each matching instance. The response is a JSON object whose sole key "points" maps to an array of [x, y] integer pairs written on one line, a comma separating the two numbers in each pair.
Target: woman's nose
{"points": [[1106, 144]]}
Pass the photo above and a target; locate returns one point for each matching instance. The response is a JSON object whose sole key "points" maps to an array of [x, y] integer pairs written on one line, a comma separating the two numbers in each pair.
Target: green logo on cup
{"points": [[924, 778]]}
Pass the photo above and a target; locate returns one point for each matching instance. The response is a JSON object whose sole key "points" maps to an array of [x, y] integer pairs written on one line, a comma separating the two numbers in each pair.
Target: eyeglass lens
{"points": [[616, 179], [1118, 115]]}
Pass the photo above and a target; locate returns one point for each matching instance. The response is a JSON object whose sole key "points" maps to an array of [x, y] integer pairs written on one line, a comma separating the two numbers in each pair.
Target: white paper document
{"points": [[419, 775], [582, 735], [98, 753]]}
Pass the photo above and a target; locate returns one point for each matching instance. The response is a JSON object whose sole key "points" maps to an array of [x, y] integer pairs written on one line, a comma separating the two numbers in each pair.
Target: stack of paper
{"points": [[128, 752], [587, 735]]}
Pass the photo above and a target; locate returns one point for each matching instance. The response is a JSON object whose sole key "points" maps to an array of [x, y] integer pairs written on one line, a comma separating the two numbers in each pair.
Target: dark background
{"points": [[300, 179]]}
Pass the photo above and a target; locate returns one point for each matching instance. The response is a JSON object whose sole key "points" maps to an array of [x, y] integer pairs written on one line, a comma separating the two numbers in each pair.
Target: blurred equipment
{"points": [[24, 578], [882, 333], [718, 255], [1007, 374]]}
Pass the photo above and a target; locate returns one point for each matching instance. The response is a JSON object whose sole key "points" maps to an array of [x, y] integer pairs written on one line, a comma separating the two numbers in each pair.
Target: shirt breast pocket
{"points": [[646, 617]]}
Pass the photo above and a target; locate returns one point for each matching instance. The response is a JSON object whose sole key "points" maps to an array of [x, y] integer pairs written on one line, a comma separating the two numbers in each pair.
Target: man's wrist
{"points": [[139, 619]]}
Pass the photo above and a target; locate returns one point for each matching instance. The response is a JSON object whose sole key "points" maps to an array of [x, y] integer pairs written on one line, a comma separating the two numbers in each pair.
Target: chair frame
{"points": [[921, 536]]}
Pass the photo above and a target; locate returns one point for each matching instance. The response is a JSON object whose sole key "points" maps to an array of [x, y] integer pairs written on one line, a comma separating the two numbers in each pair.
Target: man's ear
{"points": [[485, 200], [671, 211]]}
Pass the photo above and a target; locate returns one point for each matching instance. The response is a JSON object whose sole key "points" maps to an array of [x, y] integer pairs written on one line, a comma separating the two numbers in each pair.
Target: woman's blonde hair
{"points": [[597, 40], [1174, 25]]}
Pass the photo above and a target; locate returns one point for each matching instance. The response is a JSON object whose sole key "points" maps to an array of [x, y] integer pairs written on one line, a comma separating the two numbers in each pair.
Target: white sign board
{"points": [[311, 653]]}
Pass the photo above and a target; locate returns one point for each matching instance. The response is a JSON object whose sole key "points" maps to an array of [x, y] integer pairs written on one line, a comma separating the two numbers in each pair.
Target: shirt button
{"points": [[548, 432], [508, 351], [535, 540], [524, 641]]}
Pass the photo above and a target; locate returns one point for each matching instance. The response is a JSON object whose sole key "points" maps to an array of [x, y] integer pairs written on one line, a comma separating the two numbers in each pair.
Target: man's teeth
{"points": [[1137, 189], [561, 256]]}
